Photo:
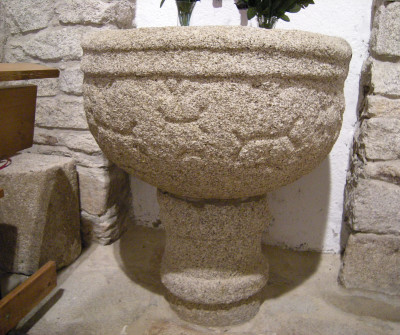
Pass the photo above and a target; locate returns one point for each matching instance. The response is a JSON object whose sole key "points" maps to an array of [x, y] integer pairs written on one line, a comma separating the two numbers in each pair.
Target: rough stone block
{"points": [[54, 45], [97, 12], [73, 139], [381, 138], [39, 215], [386, 171], [46, 87], [386, 78], [386, 31], [63, 112], [97, 160], [28, 15], [13, 51], [375, 207], [107, 228], [94, 185], [105, 203], [378, 106], [71, 80], [100, 188], [372, 262]]}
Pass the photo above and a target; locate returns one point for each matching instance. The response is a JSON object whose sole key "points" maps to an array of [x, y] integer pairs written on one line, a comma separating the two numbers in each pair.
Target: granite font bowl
{"points": [[215, 112]]}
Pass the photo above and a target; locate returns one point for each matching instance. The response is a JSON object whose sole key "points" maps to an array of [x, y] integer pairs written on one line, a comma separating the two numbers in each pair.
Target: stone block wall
{"points": [[371, 259], [49, 32]]}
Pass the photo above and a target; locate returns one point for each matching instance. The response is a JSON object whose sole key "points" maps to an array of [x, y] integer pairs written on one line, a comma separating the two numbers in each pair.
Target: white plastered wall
{"points": [[307, 214]]}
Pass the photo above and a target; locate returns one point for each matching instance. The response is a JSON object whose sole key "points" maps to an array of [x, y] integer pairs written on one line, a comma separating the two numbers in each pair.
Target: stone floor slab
{"points": [[117, 290]]}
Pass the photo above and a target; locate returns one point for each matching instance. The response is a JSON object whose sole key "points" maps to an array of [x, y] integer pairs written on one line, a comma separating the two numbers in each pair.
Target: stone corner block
{"points": [[61, 112], [105, 229], [375, 206], [96, 12], [372, 262], [81, 158], [386, 31], [28, 15], [385, 78], [71, 80], [388, 171], [76, 140], [54, 45], [100, 188], [378, 106], [381, 138], [39, 215]]}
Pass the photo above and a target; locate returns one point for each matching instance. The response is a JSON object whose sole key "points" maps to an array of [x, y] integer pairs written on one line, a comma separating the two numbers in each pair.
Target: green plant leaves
{"points": [[296, 8], [273, 8], [251, 12], [284, 18]]}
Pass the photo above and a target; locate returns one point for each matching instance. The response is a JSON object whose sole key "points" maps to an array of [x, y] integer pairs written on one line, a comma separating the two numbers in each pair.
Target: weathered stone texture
{"points": [[386, 171], [213, 256], [100, 188], [96, 12], [239, 131], [28, 15], [386, 78], [46, 87], [39, 215], [96, 160], [73, 139], [65, 112], [386, 31], [50, 32], [367, 216], [378, 106], [107, 228], [372, 262], [71, 80], [94, 186], [13, 52], [55, 45], [381, 138]]}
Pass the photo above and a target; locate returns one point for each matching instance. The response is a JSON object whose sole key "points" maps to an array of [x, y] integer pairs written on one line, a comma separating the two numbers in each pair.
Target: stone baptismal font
{"points": [[214, 117]]}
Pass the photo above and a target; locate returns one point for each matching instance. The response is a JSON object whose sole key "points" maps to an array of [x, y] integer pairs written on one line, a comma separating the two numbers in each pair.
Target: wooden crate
{"points": [[17, 118]]}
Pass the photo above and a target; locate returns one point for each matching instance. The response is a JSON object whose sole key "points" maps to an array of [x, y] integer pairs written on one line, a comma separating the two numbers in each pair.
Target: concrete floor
{"points": [[117, 290]]}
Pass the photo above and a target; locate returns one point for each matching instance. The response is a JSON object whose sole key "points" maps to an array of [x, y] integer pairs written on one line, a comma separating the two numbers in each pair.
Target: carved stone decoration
{"points": [[208, 113]]}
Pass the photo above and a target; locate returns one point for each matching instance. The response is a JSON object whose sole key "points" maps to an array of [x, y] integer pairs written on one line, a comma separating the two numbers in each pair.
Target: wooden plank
{"points": [[20, 301], [1, 193], [17, 118], [21, 71]]}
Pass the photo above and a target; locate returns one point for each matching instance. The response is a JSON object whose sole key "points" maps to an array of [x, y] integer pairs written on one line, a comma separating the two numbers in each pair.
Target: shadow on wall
{"points": [[300, 212]]}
